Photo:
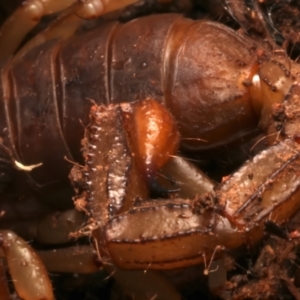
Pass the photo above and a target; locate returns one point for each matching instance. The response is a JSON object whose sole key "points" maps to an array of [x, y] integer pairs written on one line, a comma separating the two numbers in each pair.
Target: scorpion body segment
{"points": [[189, 68]]}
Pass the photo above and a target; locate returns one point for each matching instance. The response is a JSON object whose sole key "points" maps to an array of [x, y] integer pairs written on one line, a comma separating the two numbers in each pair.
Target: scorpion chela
{"points": [[132, 97]]}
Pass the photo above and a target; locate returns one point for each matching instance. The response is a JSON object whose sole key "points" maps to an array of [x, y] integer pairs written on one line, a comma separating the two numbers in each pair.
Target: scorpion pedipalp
{"points": [[153, 232]]}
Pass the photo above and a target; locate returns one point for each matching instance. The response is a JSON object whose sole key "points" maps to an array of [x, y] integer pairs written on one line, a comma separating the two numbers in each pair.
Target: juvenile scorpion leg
{"points": [[28, 273], [30, 13], [48, 229], [76, 259], [71, 19], [189, 180], [23, 20]]}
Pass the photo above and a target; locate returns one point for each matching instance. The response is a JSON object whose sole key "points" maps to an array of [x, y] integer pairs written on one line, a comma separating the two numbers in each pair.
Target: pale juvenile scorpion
{"points": [[146, 88]]}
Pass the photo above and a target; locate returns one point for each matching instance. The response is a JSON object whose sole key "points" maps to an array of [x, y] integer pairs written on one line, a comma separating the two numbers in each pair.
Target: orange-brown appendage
{"points": [[154, 135]]}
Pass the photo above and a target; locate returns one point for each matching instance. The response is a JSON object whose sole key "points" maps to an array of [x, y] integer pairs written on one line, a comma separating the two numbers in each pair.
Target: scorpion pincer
{"points": [[158, 83]]}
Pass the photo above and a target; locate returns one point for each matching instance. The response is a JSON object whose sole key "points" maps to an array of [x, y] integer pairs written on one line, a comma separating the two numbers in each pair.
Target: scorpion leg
{"points": [[77, 259], [23, 20], [71, 19], [30, 13], [28, 273], [51, 229], [190, 180]]}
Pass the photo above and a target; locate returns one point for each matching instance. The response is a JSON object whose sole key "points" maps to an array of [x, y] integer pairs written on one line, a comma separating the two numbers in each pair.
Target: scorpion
{"points": [[148, 89]]}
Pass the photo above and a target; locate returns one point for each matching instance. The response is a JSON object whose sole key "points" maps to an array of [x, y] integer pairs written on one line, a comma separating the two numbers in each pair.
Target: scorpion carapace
{"points": [[218, 85]]}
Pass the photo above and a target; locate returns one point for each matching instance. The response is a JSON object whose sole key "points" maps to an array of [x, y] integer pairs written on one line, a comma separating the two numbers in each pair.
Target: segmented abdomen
{"points": [[48, 92]]}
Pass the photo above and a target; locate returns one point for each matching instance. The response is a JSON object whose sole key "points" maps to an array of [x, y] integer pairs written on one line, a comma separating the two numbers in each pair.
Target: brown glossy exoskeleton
{"points": [[158, 81]]}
